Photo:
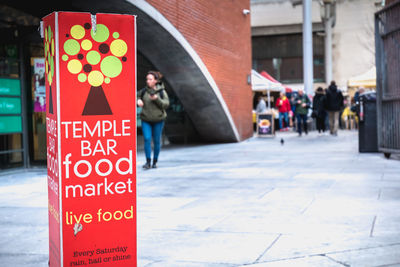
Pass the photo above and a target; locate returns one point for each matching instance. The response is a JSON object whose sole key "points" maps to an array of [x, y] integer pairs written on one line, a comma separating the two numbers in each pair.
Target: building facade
{"points": [[277, 34], [203, 49]]}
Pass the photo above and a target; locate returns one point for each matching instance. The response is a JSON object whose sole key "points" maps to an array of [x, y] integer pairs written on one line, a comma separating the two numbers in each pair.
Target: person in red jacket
{"points": [[283, 105]]}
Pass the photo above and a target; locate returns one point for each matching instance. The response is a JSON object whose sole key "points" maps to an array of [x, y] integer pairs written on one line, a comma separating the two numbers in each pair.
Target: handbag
{"points": [[313, 114]]}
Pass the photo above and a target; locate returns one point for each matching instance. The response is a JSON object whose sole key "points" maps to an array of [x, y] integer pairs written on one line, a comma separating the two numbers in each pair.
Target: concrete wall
{"points": [[276, 13], [353, 35], [353, 39]]}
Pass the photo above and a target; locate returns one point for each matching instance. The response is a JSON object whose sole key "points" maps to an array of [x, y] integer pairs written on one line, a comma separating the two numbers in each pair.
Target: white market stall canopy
{"points": [[259, 83], [367, 79]]}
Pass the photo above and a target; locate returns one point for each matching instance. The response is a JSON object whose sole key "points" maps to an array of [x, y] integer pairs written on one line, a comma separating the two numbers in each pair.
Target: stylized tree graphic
{"points": [[95, 58], [49, 56]]}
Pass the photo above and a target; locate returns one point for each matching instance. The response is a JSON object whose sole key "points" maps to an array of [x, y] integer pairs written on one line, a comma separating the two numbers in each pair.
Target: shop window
{"points": [[9, 66], [10, 108], [282, 57]]}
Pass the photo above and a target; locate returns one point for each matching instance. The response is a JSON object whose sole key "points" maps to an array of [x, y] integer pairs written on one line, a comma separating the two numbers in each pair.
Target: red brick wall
{"points": [[220, 34], [389, 2]]}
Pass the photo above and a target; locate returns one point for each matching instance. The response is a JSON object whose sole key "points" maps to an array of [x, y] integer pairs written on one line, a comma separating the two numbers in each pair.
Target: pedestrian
{"points": [[261, 106], [302, 105], [356, 99], [292, 113], [319, 113], [153, 100], [283, 106], [333, 105]]}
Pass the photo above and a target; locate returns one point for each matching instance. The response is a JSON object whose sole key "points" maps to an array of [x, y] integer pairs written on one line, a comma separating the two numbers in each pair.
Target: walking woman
{"points": [[319, 112], [153, 100]]}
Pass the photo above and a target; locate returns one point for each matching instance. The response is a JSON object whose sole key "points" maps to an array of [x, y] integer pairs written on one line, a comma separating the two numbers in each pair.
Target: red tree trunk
{"points": [[51, 102]]}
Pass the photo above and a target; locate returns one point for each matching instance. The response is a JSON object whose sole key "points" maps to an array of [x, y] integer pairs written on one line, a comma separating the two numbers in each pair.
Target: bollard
{"points": [[91, 138]]}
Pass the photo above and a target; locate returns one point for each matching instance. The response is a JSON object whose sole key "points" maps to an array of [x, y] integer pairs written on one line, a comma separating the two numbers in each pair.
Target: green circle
{"points": [[102, 33], [116, 35], [82, 77], [107, 80], [52, 66], [64, 57], [72, 47], [111, 66], [49, 34], [93, 57]]}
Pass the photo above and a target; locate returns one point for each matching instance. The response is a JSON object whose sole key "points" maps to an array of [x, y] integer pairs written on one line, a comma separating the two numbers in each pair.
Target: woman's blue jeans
{"points": [[152, 130], [283, 115]]}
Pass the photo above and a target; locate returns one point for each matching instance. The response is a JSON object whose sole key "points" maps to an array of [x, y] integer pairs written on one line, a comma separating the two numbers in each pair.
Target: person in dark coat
{"points": [[333, 105], [319, 112], [302, 105]]}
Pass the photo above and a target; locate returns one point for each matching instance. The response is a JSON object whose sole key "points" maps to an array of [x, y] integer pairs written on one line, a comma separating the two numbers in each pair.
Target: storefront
{"points": [[22, 95]]}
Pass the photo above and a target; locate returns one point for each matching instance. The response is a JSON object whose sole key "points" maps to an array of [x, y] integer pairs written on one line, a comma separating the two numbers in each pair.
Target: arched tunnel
{"points": [[170, 53]]}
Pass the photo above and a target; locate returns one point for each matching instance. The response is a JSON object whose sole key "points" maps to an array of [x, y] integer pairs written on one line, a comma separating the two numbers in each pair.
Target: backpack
{"points": [[143, 90]]}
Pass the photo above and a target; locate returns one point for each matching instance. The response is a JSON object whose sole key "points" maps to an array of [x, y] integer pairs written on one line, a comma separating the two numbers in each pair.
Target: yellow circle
{"points": [[52, 47], [77, 32], [50, 78], [74, 66], [95, 78], [118, 48], [86, 44]]}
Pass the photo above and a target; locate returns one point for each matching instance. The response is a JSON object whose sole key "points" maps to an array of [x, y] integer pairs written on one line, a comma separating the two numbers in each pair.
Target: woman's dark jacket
{"points": [[318, 105]]}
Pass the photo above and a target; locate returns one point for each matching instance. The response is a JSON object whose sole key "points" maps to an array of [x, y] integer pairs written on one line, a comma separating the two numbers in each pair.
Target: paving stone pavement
{"points": [[314, 201]]}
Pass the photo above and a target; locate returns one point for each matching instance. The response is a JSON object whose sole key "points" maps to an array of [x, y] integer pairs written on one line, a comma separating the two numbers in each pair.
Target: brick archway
{"points": [[168, 50]]}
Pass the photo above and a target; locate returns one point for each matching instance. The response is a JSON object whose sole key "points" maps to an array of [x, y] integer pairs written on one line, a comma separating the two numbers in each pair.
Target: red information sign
{"points": [[91, 138]]}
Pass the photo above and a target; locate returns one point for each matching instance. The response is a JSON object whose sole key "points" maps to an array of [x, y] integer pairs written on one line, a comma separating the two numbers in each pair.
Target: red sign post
{"points": [[91, 138]]}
